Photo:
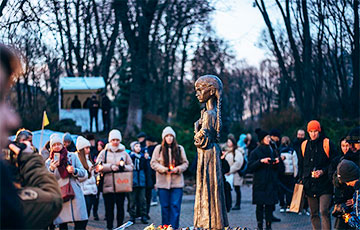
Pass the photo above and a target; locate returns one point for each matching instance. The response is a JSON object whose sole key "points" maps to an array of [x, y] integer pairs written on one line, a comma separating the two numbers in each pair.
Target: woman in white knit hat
{"points": [[88, 184], [110, 158], [169, 161], [67, 168]]}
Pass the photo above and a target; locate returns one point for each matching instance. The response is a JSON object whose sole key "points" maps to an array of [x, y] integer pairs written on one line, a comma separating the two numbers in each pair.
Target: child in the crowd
{"points": [[69, 143], [137, 198]]}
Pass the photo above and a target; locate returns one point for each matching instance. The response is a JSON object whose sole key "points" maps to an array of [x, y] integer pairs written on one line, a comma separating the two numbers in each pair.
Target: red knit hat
{"points": [[313, 125]]}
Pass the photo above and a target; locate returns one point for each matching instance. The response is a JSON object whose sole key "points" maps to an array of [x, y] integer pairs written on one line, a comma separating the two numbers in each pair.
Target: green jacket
{"points": [[39, 194]]}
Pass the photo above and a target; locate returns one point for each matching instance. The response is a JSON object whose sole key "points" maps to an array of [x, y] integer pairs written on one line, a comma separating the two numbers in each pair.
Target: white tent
{"points": [[46, 137], [83, 88]]}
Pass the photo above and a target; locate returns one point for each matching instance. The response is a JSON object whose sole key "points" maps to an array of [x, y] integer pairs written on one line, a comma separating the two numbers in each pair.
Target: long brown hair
{"points": [[175, 152], [83, 161], [233, 141]]}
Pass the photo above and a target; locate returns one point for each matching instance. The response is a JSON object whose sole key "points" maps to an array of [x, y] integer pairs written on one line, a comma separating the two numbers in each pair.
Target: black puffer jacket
{"points": [[342, 191], [265, 182], [315, 158]]}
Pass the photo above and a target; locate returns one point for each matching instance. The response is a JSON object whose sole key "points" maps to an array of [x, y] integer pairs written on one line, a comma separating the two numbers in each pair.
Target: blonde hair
{"points": [[215, 83]]}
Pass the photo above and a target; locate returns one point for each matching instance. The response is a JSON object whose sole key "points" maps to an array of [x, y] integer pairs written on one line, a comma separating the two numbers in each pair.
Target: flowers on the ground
{"points": [[168, 227], [160, 227]]}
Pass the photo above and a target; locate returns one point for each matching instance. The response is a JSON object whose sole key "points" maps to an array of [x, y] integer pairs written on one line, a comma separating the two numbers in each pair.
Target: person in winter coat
{"points": [[106, 107], [169, 161], [110, 158], [348, 173], [264, 164], [100, 145], [287, 178], [137, 197], [235, 157], [225, 168], [45, 151], [67, 168], [343, 194], [318, 153], [37, 202], [94, 106], [242, 143], [87, 184], [151, 191], [69, 143]]}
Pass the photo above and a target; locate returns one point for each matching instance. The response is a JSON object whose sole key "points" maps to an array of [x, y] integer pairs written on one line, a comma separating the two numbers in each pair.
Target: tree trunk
{"points": [[355, 92]]}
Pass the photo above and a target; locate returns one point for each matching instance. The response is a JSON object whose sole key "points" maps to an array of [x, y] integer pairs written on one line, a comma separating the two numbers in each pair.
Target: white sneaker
{"points": [[300, 213], [287, 209], [282, 210], [153, 203]]}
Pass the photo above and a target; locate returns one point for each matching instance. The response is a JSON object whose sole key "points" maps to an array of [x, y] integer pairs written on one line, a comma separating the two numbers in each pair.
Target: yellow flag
{"points": [[45, 120]]}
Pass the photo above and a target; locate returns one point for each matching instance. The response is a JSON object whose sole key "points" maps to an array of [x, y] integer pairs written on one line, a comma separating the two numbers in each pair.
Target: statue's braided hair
{"points": [[216, 83]]}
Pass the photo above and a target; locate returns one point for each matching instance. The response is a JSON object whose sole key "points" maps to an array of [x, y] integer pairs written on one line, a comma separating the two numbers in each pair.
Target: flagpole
{"points": [[42, 133]]}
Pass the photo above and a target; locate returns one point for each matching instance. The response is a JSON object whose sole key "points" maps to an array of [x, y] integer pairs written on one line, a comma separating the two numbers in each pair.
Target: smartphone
{"points": [[56, 156]]}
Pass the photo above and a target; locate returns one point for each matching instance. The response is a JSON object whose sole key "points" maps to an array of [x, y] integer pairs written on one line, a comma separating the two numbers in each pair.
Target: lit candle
{"points": [[122, 162]]}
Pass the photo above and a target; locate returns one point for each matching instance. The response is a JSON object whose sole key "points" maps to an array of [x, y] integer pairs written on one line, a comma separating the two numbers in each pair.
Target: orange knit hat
{"points": [[313, 125]]}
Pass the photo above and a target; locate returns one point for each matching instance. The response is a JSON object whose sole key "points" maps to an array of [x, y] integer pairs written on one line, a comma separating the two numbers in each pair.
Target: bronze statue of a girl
{"points": [[209, 210]]}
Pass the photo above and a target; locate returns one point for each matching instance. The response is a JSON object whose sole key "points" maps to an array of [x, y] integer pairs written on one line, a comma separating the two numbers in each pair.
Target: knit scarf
{"points": [[137, 157], [63, 162]]}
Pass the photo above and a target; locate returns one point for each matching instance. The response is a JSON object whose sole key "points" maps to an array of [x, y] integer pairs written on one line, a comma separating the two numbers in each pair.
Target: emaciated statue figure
{"points": [[209, 210]]}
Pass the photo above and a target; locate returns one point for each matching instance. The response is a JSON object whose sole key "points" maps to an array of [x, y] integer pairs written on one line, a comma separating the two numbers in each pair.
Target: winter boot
{"points": [[259, 225], [268, 225]]}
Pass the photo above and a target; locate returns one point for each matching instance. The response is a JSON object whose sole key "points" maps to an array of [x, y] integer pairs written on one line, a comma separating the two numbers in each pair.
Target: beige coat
{"points": [[235, 164], [113, 158], [164, 179]]}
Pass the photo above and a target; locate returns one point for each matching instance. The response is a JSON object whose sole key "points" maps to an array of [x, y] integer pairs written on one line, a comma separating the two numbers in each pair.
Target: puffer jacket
{"points": [[164, 179], [235, 164], [290, 161], [140, 165], [88, 185], [114, 155]]}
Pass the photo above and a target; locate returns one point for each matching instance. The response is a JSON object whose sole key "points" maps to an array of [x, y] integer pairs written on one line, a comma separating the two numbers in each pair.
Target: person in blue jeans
{"points": [[169, 161]]}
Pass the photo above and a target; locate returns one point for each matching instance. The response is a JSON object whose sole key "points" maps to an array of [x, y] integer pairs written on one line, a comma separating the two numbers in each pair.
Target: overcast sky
{"points": [[240, 24]]}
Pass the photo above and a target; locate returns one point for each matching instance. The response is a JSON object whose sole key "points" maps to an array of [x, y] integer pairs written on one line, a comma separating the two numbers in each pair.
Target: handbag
{"points": [[123, 181], [67, 192], [297, 201]]}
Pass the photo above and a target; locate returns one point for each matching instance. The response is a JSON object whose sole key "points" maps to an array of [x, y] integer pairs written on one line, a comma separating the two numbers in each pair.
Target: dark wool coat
{"points": [[315, 158], [265, 182]]}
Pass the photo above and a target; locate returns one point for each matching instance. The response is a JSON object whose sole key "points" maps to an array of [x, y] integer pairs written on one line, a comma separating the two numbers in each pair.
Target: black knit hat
{"points": [[261, 134], [275, 132], [347, 171], [354, 135], [141, 134]]}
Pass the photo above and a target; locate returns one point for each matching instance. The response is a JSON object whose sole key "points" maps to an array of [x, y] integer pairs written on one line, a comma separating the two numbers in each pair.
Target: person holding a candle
{"points": [[113, 159], [169, 161]]}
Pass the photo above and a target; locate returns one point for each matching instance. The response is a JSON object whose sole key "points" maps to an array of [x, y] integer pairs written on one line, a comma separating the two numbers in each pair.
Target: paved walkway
{"points": [[242, 218]]}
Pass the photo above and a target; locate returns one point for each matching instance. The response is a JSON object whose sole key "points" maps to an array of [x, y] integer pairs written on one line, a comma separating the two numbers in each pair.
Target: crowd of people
{"points": [[277, 165], [62, 183]]}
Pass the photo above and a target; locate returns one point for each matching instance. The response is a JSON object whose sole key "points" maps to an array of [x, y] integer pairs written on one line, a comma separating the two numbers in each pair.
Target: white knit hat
{"points": [[55, 138], [82, 142], [132, 145], [168, 130], [115, 134]]}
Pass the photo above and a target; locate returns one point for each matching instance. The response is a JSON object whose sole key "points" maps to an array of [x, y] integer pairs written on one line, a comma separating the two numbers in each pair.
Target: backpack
{"points": [[326, 147], [243, 170]]}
